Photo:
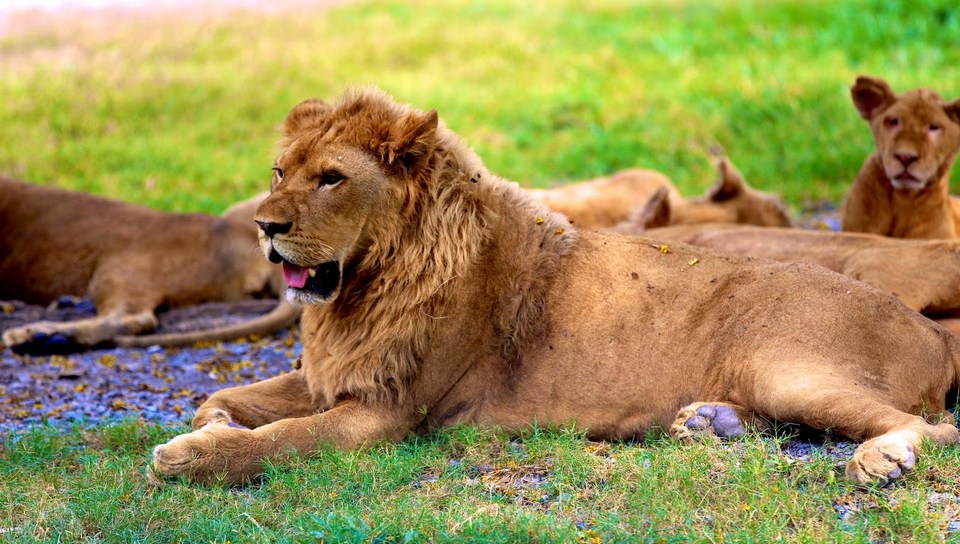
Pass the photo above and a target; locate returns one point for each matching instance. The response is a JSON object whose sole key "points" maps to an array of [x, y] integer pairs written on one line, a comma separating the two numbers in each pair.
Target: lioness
{"points": [[436, 293], [924, 274], [611, 201], [902, 188], [130, 260]]}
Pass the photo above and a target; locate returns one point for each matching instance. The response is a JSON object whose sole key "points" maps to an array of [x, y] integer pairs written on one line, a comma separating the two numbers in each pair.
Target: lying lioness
{"points": [[130, 260], [924, 274], [436, 293], [610, 201], [902, 188]]}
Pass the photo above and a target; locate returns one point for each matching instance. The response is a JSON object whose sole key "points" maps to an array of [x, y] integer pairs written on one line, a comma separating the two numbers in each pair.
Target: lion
{"points": [[435, 293], [898, 266], [902, 189], [612, 201], [131, 261]]}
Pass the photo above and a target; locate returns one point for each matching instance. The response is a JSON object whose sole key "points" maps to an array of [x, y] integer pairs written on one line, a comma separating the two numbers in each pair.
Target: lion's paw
{"points": [[214, 416], [214, 453], [701, 420], [882, 459], [38, 339]]}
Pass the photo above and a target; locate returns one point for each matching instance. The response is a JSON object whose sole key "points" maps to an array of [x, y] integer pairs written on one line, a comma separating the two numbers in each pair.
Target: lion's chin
{"points": [[321, 287], [906, 182]]}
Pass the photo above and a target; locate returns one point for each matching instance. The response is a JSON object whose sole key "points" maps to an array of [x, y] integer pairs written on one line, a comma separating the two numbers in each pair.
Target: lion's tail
{"points": [[282, 315]]}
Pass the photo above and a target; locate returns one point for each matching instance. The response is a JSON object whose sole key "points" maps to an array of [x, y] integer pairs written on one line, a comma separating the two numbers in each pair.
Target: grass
{"points": [[467, 484], [180, 113]]}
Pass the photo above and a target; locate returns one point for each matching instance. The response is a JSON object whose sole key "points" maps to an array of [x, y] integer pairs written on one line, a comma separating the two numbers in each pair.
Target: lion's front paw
{"points": [[700, 420], [211, 416], [38, 339], [215, 453], [883, 458]]}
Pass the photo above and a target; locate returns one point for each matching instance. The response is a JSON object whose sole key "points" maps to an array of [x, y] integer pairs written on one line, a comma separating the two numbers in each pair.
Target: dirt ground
{"points": [[162, 385]]}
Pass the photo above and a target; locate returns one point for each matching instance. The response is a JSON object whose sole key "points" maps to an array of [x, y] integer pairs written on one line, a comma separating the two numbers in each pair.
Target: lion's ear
{"points": [[410, 139], [730, 183], [305, 115], [656, 212], [953, 110], [870, 95]]}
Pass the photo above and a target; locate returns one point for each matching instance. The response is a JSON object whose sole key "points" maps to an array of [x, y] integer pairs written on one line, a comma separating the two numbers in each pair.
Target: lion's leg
{"points": [[712, 420], [260, 403], [47, 336], [892, 436], [218, 453]]}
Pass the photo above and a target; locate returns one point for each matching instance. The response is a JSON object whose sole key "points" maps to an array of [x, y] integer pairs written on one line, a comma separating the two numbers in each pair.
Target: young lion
{"points": [[130, 260], [902, 188], [611, 201], [436, 293]]}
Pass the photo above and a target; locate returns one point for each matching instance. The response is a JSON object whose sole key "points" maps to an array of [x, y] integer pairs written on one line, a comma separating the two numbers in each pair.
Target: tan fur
{"points": [[614, 200], [461, 300], [900, 267], [902, 190], [741, 204], [130, 260]]}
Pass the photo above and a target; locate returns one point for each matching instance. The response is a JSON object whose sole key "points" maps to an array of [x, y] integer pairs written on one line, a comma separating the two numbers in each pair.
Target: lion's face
{"points": [[331, 194], [917, 133]]}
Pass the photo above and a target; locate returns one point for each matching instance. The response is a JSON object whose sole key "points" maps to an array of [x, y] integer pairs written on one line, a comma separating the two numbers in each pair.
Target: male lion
{"points": [[436, 293], [902, 188], [611, 201], [130, 260]]}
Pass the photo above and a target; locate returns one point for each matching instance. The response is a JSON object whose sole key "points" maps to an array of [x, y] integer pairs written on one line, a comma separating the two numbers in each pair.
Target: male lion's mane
{"points": [[371, 337]]}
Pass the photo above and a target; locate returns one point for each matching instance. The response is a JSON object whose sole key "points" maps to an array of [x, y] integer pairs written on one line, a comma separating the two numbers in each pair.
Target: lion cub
{"points": [[902, 188], [130, 260]]}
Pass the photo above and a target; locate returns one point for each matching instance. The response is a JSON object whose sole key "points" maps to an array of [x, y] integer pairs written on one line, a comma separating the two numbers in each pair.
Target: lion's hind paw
{"points": [[24, 341], [700, 420], [881, 459]]}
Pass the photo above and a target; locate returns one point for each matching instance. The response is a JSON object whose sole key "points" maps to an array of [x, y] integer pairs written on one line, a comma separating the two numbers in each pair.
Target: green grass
{"points": [[467, 484], [181, 114]]}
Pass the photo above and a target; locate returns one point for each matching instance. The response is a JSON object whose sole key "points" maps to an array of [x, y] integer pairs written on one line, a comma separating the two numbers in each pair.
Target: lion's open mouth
{"points": [[313, 285]]}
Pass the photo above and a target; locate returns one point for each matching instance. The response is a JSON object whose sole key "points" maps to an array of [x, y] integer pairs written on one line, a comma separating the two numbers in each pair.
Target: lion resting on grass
{"points": [[924, 274], [130, 260], [611, 201], [436, 293], [902, 190]]}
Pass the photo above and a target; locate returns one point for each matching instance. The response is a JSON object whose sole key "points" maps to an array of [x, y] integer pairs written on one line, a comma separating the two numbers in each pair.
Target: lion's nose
{"points": [[271, 229], [906, 159]]}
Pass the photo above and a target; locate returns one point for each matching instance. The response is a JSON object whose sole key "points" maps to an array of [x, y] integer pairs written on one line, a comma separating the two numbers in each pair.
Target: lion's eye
{"points": [[891, 122], [331, 177], [935, 127], [278, 172]]}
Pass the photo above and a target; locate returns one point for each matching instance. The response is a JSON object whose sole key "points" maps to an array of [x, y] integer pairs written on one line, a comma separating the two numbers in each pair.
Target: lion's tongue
{"points": [[296, 276]]}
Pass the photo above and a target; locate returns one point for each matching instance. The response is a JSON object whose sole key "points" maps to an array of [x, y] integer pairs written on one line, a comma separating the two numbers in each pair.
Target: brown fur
{"points": [[461, 300], [902, 190], [900, 267], [130, 260], [742, 205], [611, 201]]}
